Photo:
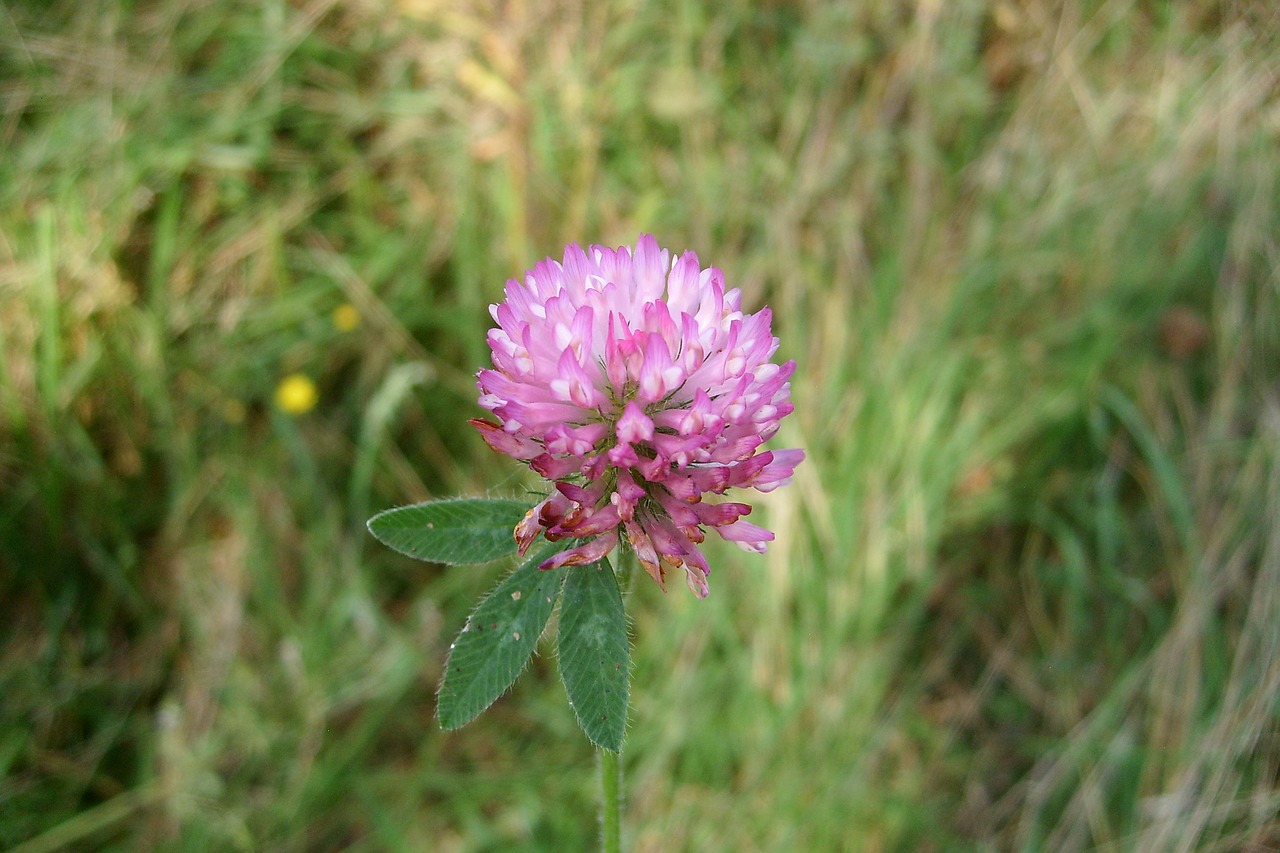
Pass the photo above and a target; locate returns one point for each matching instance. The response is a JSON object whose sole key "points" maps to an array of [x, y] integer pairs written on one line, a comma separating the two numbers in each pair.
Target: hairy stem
{"points": [[610, 802]]}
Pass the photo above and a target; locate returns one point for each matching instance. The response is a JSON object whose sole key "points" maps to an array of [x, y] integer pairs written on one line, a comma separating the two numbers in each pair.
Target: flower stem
{"points": [[610, 767], [610, 802]]}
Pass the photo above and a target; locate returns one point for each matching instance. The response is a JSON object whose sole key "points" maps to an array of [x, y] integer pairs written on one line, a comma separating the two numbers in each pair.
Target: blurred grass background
{"points": [[1026, 590]]}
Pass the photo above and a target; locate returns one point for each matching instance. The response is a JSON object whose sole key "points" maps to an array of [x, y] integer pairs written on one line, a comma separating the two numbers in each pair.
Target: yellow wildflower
{"points": [[296, 394], [345, 317]]}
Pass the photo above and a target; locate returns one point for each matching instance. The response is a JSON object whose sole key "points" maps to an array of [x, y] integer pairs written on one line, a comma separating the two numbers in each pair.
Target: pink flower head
{"points": [[638, 386]]}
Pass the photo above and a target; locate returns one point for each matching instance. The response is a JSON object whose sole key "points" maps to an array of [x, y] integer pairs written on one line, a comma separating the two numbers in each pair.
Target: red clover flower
{"points": [[638, 386]]}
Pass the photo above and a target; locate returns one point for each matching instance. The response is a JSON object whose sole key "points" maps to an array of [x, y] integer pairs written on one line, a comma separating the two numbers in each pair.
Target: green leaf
{"points": [[497, 640], [595, 654], [463, 530]]}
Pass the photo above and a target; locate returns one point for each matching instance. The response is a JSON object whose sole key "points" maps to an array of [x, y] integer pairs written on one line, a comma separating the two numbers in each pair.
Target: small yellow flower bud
{"points": [[345, 317]]}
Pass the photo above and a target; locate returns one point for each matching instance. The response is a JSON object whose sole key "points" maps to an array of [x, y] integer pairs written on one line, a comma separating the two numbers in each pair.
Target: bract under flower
{"points": [[639, 386]]}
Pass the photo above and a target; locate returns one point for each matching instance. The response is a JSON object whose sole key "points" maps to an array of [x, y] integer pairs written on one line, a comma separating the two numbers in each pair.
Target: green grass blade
{"points": [[497, 641], [595, 653], [467, 530], [382, 409], [1154, 450]]}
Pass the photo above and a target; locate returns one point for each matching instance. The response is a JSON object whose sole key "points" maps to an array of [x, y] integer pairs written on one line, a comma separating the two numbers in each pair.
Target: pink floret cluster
{"points": [[638, 386]]}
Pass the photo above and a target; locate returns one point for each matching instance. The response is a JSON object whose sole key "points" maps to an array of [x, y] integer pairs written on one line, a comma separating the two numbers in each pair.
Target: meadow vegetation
{"points": [[1025, 593]]}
